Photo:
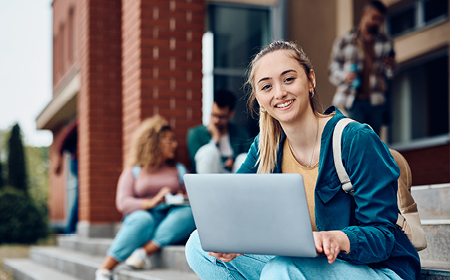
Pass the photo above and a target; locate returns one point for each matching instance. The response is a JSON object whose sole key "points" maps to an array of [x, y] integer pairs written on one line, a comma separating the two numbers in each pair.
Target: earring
{"points": [[312, 93], [263, 110]]}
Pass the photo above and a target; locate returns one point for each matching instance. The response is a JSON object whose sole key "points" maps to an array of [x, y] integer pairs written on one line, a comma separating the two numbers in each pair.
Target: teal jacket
{"points": [[199, 136], [369, 217]]}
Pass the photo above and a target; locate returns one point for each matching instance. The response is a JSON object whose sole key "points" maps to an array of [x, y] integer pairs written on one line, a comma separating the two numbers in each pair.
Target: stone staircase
{"points": [[434, 209], [77, 258]]}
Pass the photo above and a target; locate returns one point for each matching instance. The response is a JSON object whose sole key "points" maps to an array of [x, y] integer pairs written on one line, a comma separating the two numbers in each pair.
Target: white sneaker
{"points": [[139, 259], [103, 274]]}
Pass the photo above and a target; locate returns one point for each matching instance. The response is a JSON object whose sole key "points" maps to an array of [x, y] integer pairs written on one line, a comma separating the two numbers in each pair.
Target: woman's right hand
{"points": [[158, 198], [224, 256]]}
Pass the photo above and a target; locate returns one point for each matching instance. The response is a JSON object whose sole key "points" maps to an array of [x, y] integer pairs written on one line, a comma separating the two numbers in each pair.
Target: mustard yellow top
{"points": [[290, 165]]}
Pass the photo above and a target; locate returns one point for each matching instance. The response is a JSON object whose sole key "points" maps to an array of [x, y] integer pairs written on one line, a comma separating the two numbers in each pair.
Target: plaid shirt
{"points": [[346, 51]]}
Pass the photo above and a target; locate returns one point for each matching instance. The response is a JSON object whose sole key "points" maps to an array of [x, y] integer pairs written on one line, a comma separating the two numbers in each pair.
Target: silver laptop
{"points": [[251, 213]]}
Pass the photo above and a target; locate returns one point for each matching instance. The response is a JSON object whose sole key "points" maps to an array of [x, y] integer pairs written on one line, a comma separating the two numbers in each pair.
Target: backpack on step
{"points": [[408, 218]]}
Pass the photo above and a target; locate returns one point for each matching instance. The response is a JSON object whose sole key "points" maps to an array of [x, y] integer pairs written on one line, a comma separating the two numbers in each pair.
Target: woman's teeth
{"points": [[284, 104]]}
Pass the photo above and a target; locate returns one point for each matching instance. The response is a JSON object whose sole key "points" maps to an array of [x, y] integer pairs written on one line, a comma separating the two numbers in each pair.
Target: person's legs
{"points": [[246, 267], [176, 226], [238, 162], [137, 229], [358, 110], [319, 268], [209, 160], [375, 118], [363, 112]]}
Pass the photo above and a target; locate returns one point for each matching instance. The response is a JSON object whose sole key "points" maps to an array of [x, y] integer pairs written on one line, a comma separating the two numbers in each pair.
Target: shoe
{"points": [[103, 274], [139, 260]]}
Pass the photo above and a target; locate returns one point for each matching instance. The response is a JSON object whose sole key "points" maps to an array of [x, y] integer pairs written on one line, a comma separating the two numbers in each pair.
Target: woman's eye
{"points": [[266, 87], [289, 80]]}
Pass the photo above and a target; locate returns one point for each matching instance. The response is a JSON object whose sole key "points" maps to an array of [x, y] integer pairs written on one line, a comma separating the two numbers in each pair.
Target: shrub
{"points": [[20, 220]]}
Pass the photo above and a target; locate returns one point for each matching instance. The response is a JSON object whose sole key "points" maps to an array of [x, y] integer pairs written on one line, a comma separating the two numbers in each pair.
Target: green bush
{"points": [[20, 220]]}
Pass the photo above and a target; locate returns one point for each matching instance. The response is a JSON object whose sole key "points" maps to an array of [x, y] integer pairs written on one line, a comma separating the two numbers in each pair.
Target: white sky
{"points": [[25, 66]]}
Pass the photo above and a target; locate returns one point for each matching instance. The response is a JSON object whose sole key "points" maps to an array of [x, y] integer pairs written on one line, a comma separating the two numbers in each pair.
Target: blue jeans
{"points": [[363, 112], [252, 267], [209, 160], [163, 225]]}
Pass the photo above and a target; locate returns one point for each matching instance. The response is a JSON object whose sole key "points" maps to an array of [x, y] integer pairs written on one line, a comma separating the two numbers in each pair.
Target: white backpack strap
{"points": [[337, 151]]}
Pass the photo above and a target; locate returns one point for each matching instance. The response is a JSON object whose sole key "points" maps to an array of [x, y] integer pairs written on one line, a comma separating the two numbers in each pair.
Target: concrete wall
{"points": [[311, 25]]}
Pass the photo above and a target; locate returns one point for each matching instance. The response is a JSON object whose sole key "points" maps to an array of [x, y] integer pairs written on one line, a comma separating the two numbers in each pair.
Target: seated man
{"points": [[221, 146]]}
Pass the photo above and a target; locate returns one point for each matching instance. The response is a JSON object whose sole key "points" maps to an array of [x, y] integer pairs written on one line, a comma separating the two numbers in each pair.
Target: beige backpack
{"points": [[408, 218]]}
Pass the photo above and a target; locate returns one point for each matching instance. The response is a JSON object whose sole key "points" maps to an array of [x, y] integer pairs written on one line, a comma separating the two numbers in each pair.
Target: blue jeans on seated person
{"points": [[164, 225], [253, 267], [209, 160]]}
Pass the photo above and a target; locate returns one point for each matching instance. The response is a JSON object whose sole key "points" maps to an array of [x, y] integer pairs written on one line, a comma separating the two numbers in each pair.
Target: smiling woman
{"points": [[356, 234]]}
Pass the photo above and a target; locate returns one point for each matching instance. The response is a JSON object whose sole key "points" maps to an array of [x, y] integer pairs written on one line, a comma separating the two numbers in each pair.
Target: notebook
{"points": [[251, 213]]}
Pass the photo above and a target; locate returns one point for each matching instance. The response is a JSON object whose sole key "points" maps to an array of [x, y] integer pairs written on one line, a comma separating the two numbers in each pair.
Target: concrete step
{"points": [[171, 257], [83, 266], [25, 269], [432, 201], [92, 246], [434, 270], [437, 233]]}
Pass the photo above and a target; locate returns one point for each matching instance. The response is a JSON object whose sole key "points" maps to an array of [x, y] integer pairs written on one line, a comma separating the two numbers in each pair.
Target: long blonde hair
{"points": [[146, 147], [270, 129]]}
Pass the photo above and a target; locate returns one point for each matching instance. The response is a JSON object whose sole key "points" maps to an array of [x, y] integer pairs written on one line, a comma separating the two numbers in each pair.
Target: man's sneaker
{"points": [[139, 259], [103, 274]]}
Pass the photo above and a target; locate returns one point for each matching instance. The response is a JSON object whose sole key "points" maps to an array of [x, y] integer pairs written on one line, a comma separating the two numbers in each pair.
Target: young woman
{"points": [[357, 234], [149, 223]]}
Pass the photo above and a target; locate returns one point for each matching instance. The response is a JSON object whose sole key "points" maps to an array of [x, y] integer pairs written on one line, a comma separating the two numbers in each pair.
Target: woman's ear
{"points": [[312, 80]]}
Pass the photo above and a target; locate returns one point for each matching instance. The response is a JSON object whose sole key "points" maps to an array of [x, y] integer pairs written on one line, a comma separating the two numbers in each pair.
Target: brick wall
{"points": [[430, 165], [99, 109], [162, 64]]}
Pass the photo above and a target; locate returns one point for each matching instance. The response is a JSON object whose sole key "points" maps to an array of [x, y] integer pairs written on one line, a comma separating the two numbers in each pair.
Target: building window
{"points": [[420, 100], [416, 15], [235, 33]]}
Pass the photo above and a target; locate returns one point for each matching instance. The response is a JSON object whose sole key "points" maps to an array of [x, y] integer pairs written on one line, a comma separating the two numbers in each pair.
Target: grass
{"points": [[12, 251]]}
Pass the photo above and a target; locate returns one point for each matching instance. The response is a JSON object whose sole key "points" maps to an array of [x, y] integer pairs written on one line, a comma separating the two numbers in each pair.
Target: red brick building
{"points": [[116, 63]]}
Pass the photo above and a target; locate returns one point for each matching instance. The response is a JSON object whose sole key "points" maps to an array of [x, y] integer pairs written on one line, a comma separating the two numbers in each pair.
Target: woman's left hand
{"points": [[331, 243]]}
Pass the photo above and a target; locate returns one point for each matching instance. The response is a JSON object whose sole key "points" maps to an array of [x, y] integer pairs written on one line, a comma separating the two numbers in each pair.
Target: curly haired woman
{"points": [[149, 223]]}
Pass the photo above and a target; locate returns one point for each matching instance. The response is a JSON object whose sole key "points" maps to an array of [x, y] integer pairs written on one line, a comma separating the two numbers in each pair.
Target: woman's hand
{"points": [[224, 256], [331, 243], [158, 198]]}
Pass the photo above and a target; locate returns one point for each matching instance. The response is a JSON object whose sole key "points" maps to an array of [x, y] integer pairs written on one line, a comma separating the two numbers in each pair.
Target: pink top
{"points": [[131, 192]]}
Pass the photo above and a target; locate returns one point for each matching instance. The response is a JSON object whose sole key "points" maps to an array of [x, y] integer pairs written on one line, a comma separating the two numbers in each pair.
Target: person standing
{"points": [[220, 146], [361, 63]]}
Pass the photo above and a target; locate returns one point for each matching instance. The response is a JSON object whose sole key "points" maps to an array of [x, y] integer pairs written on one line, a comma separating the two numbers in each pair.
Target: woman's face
{"points": [[282, 87], [169, 146]]}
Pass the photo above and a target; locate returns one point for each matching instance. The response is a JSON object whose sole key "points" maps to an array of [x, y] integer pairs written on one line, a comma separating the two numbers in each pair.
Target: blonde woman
{"points": [[356, 234], [149, 223]]}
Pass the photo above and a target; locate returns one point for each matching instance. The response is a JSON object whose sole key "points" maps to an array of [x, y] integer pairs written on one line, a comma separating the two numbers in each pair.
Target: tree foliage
{"points": [[20, 220], [2, 182], [17, 174]]}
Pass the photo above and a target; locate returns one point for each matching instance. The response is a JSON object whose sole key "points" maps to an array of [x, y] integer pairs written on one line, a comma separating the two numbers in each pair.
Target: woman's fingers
{"points": [[330, 243], [225, 257]]}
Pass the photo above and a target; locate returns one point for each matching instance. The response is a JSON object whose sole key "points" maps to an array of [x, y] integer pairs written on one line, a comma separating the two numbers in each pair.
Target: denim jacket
{"points": [[369, 217]]}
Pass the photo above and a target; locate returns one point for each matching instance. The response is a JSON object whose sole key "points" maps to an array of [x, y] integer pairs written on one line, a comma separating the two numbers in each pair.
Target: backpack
{"points": [[180, 168], [408, 217]]}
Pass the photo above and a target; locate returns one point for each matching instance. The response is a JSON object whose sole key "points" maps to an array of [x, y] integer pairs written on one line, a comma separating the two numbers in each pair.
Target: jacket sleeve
{"points": [[374, 175], [336, 73], [126, 202], [195, 141], [249, 165]]}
